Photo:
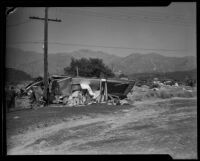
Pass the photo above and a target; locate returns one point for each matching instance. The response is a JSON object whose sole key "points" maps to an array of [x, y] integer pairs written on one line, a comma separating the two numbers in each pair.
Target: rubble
{"points": [[67, 91], [78, 91], [124, 102]]}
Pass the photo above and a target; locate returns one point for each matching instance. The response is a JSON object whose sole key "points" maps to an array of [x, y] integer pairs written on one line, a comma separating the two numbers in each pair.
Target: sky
{"points": [[170, 31]]}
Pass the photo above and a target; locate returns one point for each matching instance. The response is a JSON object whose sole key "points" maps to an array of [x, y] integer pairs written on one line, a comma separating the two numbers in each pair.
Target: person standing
{"points": [[13, 96], [10, 98]]}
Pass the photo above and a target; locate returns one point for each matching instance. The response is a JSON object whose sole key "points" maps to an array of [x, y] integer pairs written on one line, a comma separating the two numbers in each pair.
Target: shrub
{"points": [[150, 94], [185, 94], [164, 94]]}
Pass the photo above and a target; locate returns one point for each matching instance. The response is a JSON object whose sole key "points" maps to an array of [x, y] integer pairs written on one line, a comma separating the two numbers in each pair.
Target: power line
{"points": [[150, 13], [114, 47], [26, 42], [135, 16], [142, 17], [14, 25], [99, 46], [162, 15], [157, 15]]}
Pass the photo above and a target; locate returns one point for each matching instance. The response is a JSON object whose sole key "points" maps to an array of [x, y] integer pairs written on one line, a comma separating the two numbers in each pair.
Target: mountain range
{"points": [[32, 62]]}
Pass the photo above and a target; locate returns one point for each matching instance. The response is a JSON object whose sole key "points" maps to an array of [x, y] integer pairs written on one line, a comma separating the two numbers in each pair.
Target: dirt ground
{"points": [[160, 126]]}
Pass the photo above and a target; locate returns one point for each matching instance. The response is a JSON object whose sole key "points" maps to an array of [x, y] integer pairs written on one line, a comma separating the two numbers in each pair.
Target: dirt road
{"points": [[167, 126]]}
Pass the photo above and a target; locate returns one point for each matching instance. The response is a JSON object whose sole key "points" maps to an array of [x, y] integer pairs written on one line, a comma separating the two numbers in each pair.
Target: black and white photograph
{"points": [[98, 80]]}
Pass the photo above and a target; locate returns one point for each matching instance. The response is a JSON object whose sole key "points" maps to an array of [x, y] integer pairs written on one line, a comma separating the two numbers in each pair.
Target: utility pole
{"points": [[46, 19], [46, 56], [77, 74]]}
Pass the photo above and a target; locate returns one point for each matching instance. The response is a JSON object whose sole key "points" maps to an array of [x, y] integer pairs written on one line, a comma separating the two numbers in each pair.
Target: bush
{"points": [[139, 95], [150, 94], [185, 94], [164, 94]]}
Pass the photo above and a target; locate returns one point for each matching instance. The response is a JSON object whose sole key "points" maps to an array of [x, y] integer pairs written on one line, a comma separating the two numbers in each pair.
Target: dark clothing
{"points": [[11, 104], [10, 99]]}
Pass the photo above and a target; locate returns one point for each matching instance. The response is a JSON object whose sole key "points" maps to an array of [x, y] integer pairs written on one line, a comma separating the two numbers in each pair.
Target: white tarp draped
{"points": [[85, 85]]}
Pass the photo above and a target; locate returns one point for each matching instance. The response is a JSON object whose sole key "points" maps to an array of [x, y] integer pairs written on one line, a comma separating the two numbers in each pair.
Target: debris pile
{"points": [[161, 89], [79, 91]]}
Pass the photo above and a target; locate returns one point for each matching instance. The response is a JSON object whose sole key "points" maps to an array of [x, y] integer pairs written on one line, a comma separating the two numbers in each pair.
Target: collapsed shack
{"points": [[80, 91]]}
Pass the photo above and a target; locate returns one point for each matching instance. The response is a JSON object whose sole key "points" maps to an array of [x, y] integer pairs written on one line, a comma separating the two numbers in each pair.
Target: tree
{"points": [[92, 67]]}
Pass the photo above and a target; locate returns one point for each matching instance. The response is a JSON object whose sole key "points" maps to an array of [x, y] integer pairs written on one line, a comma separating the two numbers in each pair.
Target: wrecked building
{"points": [[77, 91]]}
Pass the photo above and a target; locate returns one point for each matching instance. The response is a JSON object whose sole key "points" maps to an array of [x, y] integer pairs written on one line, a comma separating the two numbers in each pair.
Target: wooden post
{"points": [[77, 74], [46, 55], [45, 19], [100, 91], [106, 91]]}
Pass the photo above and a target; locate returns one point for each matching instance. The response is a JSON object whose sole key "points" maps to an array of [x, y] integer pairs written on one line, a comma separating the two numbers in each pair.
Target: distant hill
{"points": [[150, 63], [14, 76], [32, 62]]}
